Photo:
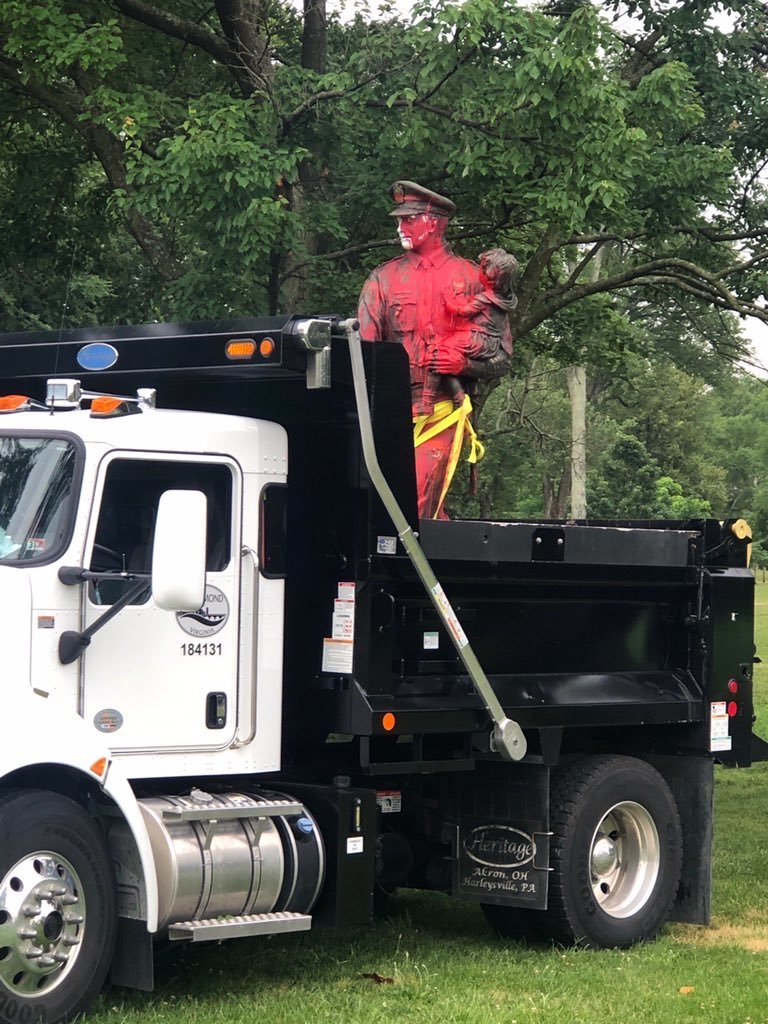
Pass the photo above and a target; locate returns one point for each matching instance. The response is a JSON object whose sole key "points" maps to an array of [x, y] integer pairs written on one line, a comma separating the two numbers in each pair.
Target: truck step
{"points": [[240, 927], [221, 808]]}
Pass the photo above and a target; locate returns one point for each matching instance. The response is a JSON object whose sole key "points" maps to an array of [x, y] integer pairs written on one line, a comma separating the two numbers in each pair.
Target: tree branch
{"points": [[737, 268], [339, 254], [587, 259], [242, 51], [333, 94], [688, 277], [529, 282], [178, 28]]}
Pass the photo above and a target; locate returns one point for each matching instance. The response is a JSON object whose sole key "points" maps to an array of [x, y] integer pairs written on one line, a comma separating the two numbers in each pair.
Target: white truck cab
{"points": [[163, 693], [136, 626]]}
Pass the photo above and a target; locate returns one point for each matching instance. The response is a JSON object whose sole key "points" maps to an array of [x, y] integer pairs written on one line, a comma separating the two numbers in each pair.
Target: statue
{"points": [[451, 317]]}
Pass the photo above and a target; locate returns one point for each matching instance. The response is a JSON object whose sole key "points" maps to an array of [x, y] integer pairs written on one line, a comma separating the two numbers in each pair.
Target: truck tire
{"points": [[615, 853], [57, 908]]}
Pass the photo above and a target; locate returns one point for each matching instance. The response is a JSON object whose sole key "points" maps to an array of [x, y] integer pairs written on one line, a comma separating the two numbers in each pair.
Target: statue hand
{"points": [[449, 359], [455, 303]]}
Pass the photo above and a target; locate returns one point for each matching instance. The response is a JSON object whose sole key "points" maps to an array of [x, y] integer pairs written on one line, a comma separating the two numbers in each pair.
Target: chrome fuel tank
{"points": [[233, 854]]}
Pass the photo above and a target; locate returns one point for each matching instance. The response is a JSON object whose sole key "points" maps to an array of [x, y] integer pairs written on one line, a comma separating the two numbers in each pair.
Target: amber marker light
{"points": [[11, 403], [105, 406], [266, 348], [240, 348], [99, 767], [388, 721]]}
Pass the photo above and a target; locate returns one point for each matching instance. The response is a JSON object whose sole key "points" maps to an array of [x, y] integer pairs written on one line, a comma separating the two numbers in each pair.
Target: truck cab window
{"points": [[125, 528], [36, 476]]}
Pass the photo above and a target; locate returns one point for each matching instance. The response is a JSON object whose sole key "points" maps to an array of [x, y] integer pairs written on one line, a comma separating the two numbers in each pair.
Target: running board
{"points": [[222, 808], [240, 927]]}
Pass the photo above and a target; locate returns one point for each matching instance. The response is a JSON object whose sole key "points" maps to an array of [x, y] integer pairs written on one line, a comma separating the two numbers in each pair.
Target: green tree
{"points": [[626, 486], [671, 503], [175, 161], [649, 421], [241, 150], [738, 428]]}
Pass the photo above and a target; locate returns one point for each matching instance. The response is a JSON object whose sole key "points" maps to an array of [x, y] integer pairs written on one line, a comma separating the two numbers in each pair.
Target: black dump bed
{"points": [[626, 632]]}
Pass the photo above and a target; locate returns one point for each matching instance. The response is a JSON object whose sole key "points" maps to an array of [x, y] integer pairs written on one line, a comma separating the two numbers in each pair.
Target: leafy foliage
{"points": [[222, 153], [173, 161]]}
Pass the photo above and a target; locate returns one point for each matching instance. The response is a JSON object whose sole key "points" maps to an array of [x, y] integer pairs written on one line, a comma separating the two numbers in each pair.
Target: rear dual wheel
{"points": [[57, 909], [615, 855]]}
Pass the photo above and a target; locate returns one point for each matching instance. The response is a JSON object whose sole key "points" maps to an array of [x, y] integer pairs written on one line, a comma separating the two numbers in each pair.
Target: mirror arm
{"points": [[71, 643], [72, 575]]}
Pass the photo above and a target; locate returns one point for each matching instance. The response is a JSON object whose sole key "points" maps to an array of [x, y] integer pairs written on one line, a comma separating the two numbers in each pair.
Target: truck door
{"points": [[154, 679]]}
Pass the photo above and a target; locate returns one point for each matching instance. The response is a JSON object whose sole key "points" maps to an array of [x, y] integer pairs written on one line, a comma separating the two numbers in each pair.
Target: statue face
{"points": [[414, 231]]}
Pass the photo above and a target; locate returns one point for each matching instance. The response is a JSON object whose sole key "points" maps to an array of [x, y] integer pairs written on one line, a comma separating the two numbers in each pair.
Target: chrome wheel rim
{"points": [[42, 922], [624, 859]]}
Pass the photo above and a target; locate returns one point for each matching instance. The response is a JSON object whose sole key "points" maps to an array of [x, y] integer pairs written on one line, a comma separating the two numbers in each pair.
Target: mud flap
{"points": [[502, 862], [500, 836], [691, 779]]}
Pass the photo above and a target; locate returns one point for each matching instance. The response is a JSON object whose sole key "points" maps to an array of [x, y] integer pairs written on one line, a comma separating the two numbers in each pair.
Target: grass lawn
{"points": [[446, 967]]}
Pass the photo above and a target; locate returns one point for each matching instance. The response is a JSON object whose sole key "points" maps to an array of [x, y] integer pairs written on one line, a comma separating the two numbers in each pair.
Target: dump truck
{"points": [[248, 692]]}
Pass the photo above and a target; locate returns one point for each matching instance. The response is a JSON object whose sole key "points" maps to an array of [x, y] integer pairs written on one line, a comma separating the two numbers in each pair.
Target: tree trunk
{"points": [[314, 39], [577, 389], [241, 22], [487, 494], [556, 502], [296, 291]]}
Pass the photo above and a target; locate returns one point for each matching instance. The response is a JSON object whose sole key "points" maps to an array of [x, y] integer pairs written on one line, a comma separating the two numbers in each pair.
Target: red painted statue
{"points": [[451, 316]]}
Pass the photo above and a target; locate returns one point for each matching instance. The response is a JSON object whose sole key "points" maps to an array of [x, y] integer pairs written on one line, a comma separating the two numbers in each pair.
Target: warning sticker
{"points": [[355, 844], [338, 656], [718, 727], [450, 616], [431, 641], [720, 743], [343, 627], [338, 648], [390, 801]]}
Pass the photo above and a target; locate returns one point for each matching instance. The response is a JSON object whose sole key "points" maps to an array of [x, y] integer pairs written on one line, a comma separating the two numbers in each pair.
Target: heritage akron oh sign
{"points": [[499, 861]]}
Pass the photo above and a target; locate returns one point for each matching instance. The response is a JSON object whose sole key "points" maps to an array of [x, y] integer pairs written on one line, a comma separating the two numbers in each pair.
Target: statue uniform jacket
{"points": [[402, 301]]}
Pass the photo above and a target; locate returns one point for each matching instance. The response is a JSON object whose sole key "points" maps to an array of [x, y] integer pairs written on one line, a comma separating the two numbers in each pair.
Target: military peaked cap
{"points": [[411, 198]]}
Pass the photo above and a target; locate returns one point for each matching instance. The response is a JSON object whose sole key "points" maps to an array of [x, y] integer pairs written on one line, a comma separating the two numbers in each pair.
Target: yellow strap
{"points": [[431, 424], [443, 418], [476, 446]]}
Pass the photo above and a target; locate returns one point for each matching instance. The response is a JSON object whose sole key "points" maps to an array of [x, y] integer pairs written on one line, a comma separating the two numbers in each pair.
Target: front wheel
{"points": [[57, 908], [616, 853]]}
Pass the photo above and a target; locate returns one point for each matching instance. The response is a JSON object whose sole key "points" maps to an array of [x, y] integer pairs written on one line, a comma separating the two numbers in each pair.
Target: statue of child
{"points": [[479, 338]]}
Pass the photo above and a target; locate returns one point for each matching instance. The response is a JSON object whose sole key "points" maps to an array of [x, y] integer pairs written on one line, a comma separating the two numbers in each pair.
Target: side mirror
{"points": [[178, 551]]}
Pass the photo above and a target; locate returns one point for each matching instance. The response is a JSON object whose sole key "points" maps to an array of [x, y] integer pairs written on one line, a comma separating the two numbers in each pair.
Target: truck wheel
{"points": [[57, 908], [615, 853]]}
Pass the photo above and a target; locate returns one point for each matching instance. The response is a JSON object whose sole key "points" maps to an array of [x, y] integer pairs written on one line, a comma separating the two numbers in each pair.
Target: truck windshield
{"points": [[36, 475]]}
